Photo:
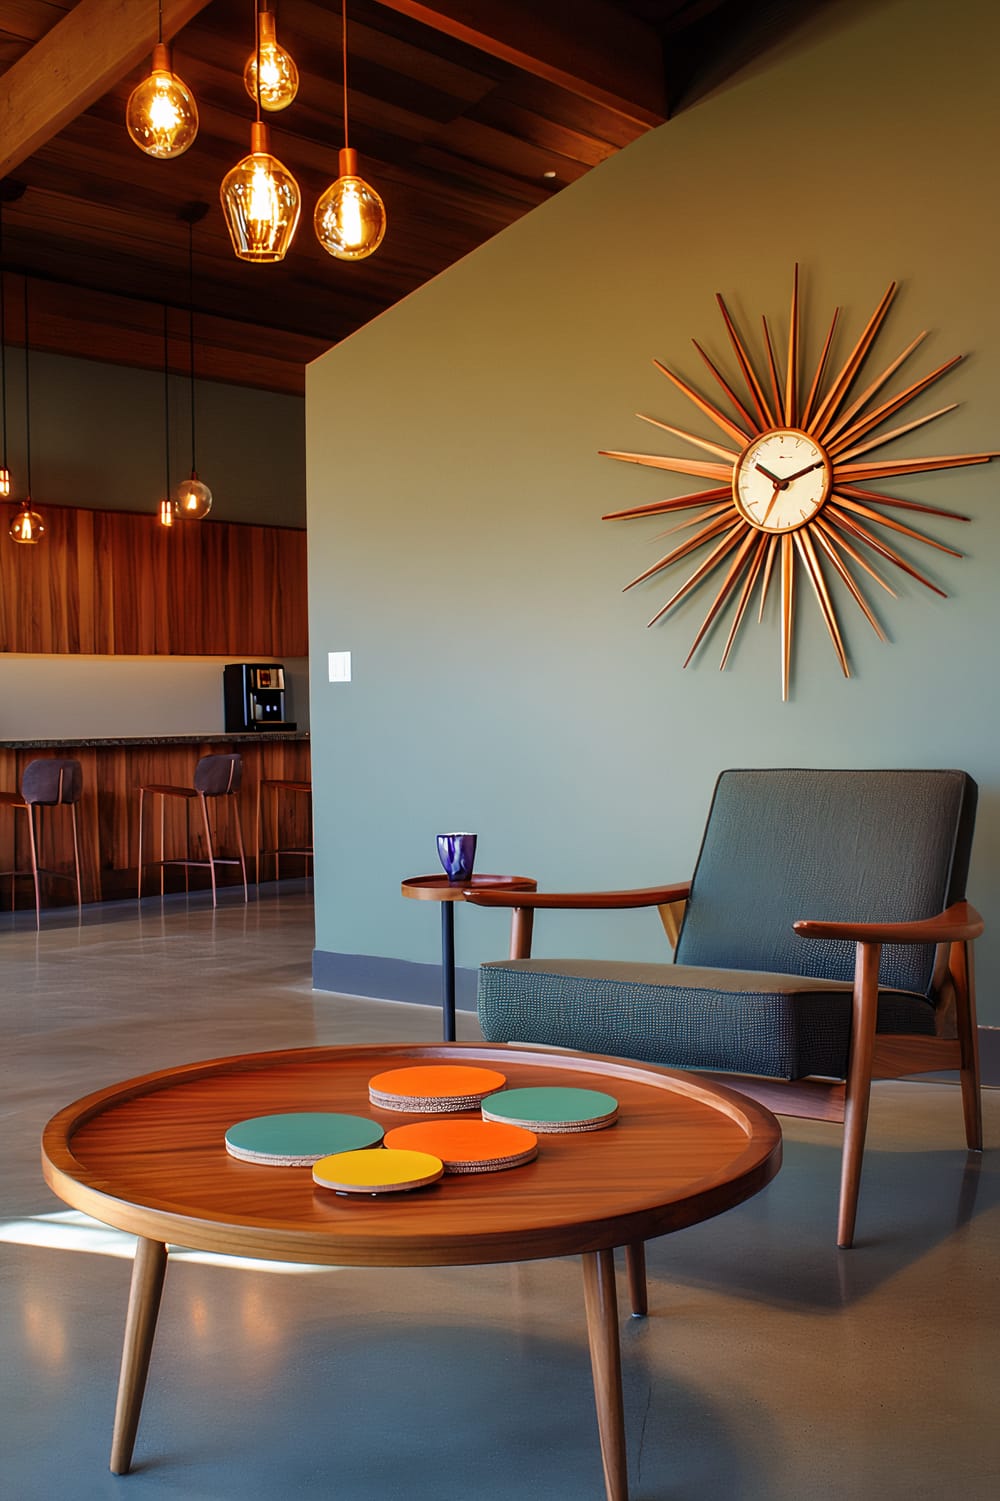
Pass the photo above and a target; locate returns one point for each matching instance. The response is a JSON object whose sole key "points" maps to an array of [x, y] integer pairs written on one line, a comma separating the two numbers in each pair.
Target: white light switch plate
{"points": [[340, 666]]}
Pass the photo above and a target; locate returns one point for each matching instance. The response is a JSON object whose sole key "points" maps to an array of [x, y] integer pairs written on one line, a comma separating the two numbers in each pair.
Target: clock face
{"points": [[781, 480]]}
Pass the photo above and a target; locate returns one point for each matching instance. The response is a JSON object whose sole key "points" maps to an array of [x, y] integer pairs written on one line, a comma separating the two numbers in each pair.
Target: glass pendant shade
{"points": [[350, 216], [192, 499], [279, 77], [4, 482], [161, 115], [261, 202], [27, 525]]}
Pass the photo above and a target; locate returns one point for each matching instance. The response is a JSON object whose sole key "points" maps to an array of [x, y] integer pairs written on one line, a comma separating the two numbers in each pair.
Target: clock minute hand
{"points": [[770, 505], [800, 472]]}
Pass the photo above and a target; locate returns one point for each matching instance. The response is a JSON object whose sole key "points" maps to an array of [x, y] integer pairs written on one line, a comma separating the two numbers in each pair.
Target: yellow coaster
{"points": [[376, 1171]]}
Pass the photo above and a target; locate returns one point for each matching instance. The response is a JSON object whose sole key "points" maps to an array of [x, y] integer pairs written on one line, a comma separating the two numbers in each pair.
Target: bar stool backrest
{"points": [[216, 776], [52, 779]]}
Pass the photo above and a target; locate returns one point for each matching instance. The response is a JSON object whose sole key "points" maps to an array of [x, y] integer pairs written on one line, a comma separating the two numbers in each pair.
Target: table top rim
{"points": [[95, 1193], [439, 888]]}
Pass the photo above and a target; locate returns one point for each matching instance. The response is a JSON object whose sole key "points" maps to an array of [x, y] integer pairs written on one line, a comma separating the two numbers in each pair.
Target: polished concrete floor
{"points": [[772, 1367]]}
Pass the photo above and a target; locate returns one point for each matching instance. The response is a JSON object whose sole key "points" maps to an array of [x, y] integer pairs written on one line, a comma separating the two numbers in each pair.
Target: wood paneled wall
{"points": [[114, 583], [108, 817]]}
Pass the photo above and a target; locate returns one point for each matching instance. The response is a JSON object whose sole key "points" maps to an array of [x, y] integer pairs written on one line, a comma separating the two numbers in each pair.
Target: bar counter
{"points": [[113, 770]]}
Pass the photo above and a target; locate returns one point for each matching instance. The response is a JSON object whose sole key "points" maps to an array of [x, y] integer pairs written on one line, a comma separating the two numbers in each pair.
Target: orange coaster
{"points": [[376, 1171], [434, 1089], [467, 1146]]}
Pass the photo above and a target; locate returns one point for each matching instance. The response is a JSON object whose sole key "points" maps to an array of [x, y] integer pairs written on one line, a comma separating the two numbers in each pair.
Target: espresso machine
{"points": [[254, 697]]}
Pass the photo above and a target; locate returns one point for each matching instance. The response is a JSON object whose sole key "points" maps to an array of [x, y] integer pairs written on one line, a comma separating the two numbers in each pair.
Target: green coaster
{"points": [[553, 1110], [299, 1139]]}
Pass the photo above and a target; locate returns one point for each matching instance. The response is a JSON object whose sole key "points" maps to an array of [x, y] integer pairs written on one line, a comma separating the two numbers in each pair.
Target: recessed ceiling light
{"points": [[548, 174]]}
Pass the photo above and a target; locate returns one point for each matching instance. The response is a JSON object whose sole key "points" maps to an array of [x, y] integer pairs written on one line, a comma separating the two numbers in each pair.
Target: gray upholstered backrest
{"points": [[52, 779], [854, 846], [217, 775]]}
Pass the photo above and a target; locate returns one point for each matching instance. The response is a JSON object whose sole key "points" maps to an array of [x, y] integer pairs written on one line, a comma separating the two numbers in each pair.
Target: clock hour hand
{"points": [[781, 483]]}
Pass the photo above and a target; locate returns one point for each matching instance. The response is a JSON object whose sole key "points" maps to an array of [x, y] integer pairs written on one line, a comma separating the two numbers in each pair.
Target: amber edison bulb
{"points": [[349, 219], [27, 526], [279, 77], [161, 115], [192, 499], [167, 511], [4, 481], [261, 202]]}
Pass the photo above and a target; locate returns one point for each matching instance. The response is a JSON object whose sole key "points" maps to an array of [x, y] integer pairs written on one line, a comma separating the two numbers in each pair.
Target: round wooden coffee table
{"points": [[148, 1156]]}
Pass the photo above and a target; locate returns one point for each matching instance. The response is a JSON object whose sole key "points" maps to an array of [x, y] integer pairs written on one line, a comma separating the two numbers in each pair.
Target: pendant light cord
{"points": [[256, 34], [159, 21], [343, 48], [3, 344], [27, 394], [166, 401], [191, 334]]}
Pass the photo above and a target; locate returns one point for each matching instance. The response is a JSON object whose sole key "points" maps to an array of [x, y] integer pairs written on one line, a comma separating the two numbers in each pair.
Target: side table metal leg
{"points": [[140, 1326], [448, 969], [606, 1362]]}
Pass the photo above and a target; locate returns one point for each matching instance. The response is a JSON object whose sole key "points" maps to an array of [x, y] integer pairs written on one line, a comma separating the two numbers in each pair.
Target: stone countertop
{"points": [[212, 737]]}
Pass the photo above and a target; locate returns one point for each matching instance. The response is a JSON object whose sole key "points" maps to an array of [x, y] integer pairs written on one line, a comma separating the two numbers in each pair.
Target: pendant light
{"points": [[260, 197], [4, 471], [161, 115], [27, 526], [279, 77], [350, 216], [168, 506], [192, 499]]}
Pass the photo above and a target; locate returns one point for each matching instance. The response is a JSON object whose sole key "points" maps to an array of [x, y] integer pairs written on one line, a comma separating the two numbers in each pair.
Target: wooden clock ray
{"points": [[789, 491]]}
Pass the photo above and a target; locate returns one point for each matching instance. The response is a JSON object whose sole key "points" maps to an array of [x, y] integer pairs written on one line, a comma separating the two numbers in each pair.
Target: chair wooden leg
{"points": [[256, 834], [33, 847], [76, 857], [138, 893], [208, 842], [163, 847], [963, 973], [521, 923], [859, 1082], [635, 1267], [239, 846]]}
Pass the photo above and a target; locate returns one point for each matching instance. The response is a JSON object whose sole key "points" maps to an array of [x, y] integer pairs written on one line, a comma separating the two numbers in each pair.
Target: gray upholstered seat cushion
{"points": [[780, 1025]]}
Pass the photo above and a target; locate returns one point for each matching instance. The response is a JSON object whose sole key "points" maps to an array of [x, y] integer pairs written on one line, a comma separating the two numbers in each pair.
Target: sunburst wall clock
{"points": [[790, 494]]}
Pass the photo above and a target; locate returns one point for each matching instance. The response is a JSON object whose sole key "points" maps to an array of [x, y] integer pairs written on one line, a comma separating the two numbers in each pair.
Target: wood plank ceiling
{"points": [[466, 114]]}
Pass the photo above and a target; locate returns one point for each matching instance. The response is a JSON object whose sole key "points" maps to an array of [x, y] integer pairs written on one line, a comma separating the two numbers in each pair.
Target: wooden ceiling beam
{"points": [[604, 55], [73, 64]]}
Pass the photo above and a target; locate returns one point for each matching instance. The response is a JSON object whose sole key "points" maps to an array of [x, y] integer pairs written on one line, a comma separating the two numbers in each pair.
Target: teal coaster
{"points": [[553, 1110], [300, 1139]]}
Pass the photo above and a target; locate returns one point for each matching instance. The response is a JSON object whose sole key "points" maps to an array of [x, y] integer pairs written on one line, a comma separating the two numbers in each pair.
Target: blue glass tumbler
{"points": [[457, 853]]}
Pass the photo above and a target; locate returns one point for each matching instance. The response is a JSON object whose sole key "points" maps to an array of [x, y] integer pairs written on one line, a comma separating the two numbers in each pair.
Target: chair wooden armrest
{"points": [[646, 896], [957, 924]]}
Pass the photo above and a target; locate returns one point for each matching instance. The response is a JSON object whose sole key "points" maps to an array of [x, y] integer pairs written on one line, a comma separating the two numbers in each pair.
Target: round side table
{"points": [[440, 889]]}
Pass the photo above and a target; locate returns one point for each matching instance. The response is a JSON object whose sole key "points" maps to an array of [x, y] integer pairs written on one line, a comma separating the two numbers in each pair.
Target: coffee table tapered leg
{"points": [[140, 1326], [606, 1361]]}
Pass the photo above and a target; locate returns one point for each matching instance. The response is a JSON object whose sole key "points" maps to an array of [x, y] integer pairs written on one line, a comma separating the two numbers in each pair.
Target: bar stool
{"points": [[214, 777], [276, 786], [49, 782]]}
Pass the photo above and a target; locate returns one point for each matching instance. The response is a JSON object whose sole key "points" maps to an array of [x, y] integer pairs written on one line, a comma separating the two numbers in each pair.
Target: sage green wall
{"points": [[502, 681], [97, 439]]}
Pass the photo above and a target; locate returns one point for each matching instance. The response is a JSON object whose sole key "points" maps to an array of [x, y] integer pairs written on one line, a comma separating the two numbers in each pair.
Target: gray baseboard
{"points": [[401, 980], [390, 979]]}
